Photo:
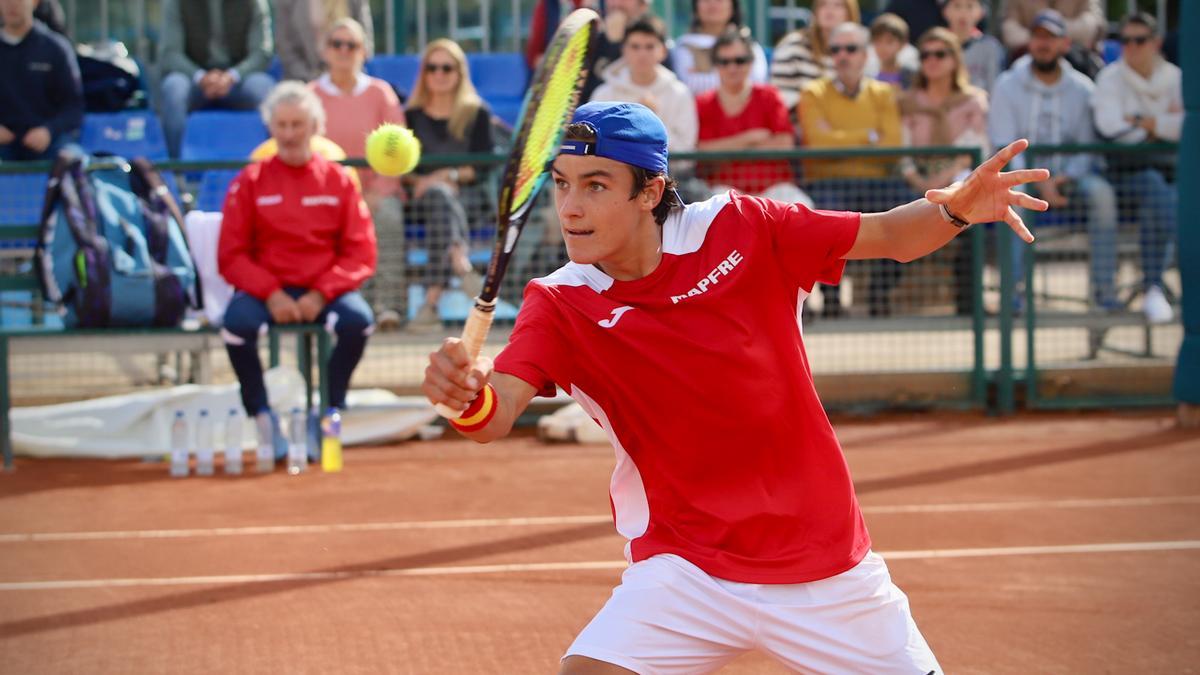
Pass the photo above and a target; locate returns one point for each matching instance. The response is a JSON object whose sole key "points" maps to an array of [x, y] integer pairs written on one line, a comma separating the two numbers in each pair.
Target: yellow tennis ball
{"points": [[392, 150]]}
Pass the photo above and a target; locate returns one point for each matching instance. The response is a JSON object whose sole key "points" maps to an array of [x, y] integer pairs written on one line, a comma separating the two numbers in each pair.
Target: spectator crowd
{"points": [[921, 74]]}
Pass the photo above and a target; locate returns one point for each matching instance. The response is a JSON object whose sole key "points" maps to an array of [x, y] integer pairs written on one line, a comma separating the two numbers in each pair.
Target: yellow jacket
{"points": [[830, 119]]}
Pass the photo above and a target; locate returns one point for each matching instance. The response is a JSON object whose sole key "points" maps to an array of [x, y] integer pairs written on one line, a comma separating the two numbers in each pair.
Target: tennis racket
{"points": [[549, 104]]}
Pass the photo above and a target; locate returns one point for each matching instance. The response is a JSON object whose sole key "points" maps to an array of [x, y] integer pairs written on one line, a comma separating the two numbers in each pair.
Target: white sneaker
{"points": [[1156, 307]]}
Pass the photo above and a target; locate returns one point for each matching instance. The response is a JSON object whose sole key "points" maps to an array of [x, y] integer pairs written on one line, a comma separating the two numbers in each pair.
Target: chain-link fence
{"points": [[972, 319], [1099, 289]]}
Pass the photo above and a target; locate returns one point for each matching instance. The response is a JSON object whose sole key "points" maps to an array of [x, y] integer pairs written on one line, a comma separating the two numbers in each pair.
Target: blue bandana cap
{"points": [[625, 132]]}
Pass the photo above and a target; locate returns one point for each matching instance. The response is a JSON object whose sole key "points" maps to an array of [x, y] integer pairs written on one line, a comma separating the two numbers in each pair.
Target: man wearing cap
{"points": [[1042, 98], [676, 328], [1083, 21]]}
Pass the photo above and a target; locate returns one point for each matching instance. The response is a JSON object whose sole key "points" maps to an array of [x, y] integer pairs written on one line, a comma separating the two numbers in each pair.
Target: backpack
{"points": [[111, 249]]}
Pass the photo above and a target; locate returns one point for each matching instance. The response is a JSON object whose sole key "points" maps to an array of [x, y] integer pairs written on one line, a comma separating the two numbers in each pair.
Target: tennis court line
{"points": [[234, 579], [19, 537]]}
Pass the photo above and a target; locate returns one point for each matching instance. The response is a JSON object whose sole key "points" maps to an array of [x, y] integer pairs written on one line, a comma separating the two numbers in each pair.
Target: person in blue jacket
{"points": [[41, 94]]}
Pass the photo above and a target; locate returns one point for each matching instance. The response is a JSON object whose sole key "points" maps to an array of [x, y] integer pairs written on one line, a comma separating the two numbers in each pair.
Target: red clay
{"points": [[1035, 612]]}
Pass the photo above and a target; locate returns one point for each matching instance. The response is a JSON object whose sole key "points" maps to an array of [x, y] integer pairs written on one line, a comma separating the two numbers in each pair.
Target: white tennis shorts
{"points": [[668, 616]]}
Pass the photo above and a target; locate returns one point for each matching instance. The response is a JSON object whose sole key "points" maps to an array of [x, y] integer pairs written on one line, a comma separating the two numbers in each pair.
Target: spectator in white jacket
{"points": [[639, 77], [1139, 99]]}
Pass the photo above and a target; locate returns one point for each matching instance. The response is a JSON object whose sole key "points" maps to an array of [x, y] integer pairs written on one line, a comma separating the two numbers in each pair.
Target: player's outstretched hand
{"points": [[988, 194], [451, 378]]}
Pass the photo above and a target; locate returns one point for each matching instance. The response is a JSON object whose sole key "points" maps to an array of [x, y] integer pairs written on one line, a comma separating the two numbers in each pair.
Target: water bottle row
{"points": [[304, 438]]}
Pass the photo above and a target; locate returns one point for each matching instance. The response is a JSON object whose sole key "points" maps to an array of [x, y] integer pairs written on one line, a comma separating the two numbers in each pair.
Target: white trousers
{"points": [[668, 616]]}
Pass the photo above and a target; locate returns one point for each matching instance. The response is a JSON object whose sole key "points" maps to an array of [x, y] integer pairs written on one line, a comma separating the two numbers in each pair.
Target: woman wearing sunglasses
{"points": [[693, 52], [448, 116], [802, 55], [355, 103], [300, 29], [944, 109]]}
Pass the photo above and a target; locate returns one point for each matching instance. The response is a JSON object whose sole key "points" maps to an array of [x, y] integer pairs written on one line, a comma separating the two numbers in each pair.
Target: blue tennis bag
{"points": [[111, 250]]}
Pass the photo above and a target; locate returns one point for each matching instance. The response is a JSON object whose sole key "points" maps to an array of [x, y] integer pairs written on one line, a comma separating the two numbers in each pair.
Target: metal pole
{"points": [[1005, 399], [72, 13], [422, 29], [5, 403], [516, 25], [485, 18], [103, 20], [454, 20], [1162, 15], [389, 25], [761, 30], [139, 23]]}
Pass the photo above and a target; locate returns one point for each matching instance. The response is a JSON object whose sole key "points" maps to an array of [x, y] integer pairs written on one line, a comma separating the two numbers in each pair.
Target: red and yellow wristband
{"points": [[479, 413]]}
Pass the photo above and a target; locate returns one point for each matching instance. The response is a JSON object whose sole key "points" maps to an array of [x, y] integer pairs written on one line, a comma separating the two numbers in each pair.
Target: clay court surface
{"points": [[1035, 544]]}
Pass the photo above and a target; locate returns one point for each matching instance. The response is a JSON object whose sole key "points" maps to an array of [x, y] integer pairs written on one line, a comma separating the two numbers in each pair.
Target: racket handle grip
{"points": [[475, 332], [446, 411]]}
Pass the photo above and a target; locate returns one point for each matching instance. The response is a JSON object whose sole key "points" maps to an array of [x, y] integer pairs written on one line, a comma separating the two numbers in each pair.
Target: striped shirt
{"points": [[794, 64]]}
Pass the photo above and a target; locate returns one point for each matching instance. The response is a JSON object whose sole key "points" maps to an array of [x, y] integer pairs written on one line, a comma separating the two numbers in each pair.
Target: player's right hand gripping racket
{"points": [[549, 104]]}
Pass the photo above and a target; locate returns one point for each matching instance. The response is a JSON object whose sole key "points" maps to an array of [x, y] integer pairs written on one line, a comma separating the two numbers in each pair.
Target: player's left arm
{"points": [[987, 195]]}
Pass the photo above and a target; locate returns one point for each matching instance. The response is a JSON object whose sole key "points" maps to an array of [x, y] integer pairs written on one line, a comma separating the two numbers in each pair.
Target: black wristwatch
{"points": [[951, 218]]}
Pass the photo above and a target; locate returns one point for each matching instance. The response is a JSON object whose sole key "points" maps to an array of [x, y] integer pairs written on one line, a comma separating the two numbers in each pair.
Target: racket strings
{"points": [[554, 105]]}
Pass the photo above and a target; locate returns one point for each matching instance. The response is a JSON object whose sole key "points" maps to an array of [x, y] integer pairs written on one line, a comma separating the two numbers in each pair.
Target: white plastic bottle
{"points": [[297, 460], [179, 445], [233, 443], [265, 453], [205, 449]]}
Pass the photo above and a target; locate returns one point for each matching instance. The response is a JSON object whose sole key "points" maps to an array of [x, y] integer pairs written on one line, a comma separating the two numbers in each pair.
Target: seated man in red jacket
{"points": [[296, 242]]}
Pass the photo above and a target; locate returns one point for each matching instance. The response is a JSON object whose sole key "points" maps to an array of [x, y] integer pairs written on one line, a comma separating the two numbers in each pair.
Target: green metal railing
{"points": [[992, 373], [1097, 325]]}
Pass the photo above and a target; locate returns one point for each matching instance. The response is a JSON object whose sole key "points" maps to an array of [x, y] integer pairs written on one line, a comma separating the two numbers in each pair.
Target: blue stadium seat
{"points": [[213, 186], [21, 197], [275, 69], [501, 79], [222, 134], [1111, 49], [134, 133], [398, 70]]}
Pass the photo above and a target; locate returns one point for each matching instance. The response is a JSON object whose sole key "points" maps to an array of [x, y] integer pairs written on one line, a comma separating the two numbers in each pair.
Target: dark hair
{"points": [[732, 36], [641, 177], [735, 19], [1141, 19], [649, 25], [889, 24]]}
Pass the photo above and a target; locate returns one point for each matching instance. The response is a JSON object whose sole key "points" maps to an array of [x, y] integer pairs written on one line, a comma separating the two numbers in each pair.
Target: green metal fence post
{"points": [[978, 323], [1187, 366], [1005, 403], [323, 349], [304, 361], [978, 373], [273, 347], [5, 403]]}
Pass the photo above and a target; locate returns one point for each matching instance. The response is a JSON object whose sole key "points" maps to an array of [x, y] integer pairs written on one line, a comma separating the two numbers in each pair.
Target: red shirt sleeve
{"points": [[356, 250], [533, 349], [809, 244], [235, 261]]}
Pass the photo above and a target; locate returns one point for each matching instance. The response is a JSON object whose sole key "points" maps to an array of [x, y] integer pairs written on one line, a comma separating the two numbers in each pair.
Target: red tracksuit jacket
{"points": [[301, 226]]}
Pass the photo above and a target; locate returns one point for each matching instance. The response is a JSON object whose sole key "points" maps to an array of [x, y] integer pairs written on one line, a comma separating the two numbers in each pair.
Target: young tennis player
{"points": [[676, 328]]}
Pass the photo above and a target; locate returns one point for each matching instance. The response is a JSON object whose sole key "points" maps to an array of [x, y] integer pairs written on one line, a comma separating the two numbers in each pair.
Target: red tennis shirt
{"points": [[699, 376]]}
